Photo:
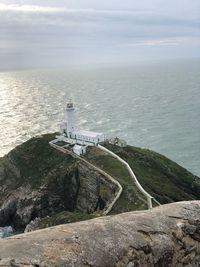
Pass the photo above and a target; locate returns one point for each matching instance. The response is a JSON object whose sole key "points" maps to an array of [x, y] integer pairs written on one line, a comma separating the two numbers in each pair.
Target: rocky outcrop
{"points": [[37, 181], [78, 189], [168, 235]]}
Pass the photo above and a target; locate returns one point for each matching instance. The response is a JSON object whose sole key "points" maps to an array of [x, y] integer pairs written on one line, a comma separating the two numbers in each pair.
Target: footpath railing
{"points": [[109, 177], [145, 193]]}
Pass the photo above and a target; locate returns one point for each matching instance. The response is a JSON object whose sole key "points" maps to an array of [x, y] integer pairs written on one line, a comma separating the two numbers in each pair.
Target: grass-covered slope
{"points": [[161, 177], [36, 159], [63, 218]]}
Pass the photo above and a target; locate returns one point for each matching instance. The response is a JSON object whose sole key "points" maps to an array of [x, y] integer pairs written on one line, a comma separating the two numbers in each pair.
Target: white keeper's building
{"points": [[72, 135]]}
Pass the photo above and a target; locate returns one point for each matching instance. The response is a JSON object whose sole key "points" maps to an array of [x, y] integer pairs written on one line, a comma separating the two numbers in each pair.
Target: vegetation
{"points": [[36, 164], [36, 159], [161, 177], [64, 217], [131, 198]]}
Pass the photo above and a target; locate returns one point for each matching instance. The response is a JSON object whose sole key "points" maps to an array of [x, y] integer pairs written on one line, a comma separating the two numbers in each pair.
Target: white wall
{"points": [[70, 119], [87, 138]]}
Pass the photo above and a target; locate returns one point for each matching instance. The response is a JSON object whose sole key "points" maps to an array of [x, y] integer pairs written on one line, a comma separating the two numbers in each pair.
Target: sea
{"points": [[154, 106]]}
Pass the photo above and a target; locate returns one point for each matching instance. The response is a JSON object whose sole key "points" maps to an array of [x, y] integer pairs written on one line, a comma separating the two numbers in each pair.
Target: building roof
{"points": [[87, 133], [77, 147]]}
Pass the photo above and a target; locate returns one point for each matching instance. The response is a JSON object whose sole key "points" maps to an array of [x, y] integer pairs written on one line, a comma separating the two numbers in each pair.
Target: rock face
{"points": [[168, 235], [78, 189], [37, 181]]}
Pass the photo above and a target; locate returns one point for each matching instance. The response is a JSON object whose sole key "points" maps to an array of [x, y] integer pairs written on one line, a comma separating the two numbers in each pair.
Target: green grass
{"points": [[36, 159], [131, 198], [161, 177], [63, 218]]}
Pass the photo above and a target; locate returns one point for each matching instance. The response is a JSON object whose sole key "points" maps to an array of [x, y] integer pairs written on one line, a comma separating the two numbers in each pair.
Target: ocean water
{"points": [[154, 106], [6, 231]]}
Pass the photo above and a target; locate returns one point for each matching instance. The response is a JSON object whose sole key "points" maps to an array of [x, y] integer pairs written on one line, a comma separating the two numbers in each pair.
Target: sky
{"points": [[49, 33]]}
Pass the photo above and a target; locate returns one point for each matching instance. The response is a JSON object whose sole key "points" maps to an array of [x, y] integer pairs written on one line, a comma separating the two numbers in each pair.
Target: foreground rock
{"points": [[168, 235]]}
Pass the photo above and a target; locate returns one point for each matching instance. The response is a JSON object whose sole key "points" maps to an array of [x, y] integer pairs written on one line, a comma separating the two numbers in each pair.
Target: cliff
{"points": [[41, 187], [38, 181], [168, 235]]}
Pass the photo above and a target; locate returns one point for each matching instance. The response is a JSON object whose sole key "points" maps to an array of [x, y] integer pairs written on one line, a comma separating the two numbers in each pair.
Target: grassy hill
{"points": [[161, 177], [42, 182]]}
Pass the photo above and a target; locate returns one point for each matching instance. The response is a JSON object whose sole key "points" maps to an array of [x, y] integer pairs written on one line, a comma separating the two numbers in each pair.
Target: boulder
{"points": [[168, 235]]}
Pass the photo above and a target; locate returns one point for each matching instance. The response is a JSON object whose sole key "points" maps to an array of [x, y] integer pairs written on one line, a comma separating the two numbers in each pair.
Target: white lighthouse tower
{"points": [[69, 124], [70, 118]]}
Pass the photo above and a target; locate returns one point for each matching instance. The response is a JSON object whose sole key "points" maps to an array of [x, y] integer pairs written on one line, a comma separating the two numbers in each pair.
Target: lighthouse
{"points": [[70, 118], [72, 135], [69, 124]]}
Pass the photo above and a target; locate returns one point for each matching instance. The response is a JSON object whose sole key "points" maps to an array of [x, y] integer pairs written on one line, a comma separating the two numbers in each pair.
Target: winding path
{"points": [[147, 195], [110, 178]]}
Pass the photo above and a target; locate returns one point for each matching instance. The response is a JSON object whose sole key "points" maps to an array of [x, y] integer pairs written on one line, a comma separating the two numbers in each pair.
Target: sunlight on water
{"points": [[155, 107]]}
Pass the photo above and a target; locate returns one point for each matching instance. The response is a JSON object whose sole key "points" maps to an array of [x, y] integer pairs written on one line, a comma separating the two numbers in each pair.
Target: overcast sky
{"points": [[49, 33]]}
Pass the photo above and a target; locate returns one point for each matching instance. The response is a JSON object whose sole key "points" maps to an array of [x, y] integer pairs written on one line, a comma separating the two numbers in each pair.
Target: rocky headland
{"points": [[42, 187]]}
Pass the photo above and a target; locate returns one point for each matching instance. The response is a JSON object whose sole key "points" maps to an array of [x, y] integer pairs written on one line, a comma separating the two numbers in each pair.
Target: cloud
{"points": [[75, 33], [161, 42], [47, 9], [25, 15], [110, 22], [29, 8]]}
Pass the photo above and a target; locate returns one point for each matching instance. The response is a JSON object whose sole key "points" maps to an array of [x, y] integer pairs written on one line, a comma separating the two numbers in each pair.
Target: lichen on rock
{"points": [[168, 236]]}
